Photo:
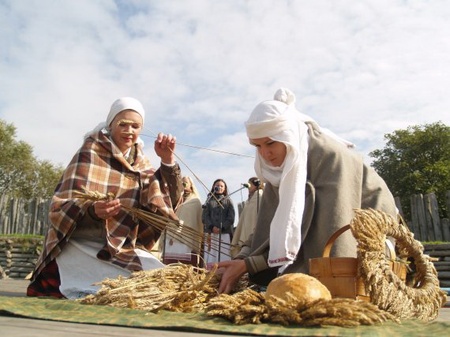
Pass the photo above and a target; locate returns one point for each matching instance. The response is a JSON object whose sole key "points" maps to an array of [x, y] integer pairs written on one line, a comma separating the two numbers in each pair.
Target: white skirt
{"points": [[212, 254], [80, 270]]}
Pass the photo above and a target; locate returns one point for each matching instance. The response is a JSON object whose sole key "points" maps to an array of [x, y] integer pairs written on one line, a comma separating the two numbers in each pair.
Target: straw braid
{"points": [[385, 288]]}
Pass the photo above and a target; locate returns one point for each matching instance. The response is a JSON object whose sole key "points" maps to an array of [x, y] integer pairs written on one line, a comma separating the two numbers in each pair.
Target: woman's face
{"points": [[125, 129], [272, 151], [219, 187], [187, 185]]}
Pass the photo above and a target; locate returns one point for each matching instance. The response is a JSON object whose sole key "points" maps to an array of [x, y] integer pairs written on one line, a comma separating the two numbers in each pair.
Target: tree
{"points": [[16, 159], [21, 174], [47, 176], [416, 160]]}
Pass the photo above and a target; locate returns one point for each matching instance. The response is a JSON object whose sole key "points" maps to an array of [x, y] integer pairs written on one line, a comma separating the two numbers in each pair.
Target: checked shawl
{"points": [[99, 166]]}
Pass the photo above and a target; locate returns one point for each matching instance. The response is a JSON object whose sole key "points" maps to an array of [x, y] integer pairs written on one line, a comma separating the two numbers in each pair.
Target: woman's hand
{"points": [[231, 273], [165, 148], [106, 209]]}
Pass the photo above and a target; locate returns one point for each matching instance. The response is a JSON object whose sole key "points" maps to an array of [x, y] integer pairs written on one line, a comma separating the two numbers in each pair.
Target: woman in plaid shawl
{"points": [[88, 241]]}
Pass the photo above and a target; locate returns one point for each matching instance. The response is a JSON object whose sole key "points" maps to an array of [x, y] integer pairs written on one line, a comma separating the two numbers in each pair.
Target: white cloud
{"points": [[362, 69]]}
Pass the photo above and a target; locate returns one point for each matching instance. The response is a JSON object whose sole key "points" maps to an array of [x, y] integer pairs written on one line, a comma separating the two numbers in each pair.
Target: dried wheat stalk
{"points": [[176, 287], [249, 306], [174, 228]]}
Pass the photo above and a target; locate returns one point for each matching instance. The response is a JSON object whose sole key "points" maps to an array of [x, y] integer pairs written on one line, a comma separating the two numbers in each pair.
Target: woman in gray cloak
{"points": [[313, 182]]}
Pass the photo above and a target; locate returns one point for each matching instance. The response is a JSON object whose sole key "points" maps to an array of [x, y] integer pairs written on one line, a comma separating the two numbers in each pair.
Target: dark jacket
{"points": [[215, 215]]}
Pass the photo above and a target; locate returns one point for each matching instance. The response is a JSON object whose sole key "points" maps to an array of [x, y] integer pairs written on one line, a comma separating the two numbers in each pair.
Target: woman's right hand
{"points": [[231, 273], [106, 209]]}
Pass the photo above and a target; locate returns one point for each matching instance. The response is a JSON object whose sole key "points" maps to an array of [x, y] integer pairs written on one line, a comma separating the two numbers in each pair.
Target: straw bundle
{"points": [[423, 299], [176, 287], [249, 306]]}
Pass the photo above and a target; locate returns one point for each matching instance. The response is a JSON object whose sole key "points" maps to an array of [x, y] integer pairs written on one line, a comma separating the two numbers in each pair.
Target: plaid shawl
{"points": [[99, 166]]}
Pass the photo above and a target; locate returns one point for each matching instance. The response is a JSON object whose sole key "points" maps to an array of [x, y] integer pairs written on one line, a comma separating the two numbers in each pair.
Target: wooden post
{"points": [[445, 223], [432, 215], [398, 204], [13, 215], [34, 211], [44, 220], [3, 214], [418, 217], [447, 202]]}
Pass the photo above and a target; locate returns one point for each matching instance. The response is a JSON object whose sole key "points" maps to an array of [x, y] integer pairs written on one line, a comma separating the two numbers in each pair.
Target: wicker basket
{"points": [[339, 274]]}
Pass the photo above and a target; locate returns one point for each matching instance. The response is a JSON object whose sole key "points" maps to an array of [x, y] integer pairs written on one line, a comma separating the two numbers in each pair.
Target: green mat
{"points": [[70, 311]]}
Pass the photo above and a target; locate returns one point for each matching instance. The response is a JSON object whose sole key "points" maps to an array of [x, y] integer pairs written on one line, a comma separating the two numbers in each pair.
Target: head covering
{"points": [[125, 103], [279, 120], [119, 105]]}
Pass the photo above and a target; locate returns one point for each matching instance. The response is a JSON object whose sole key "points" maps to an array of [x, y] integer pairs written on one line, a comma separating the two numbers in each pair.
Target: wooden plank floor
{"points": [[15, 327]]}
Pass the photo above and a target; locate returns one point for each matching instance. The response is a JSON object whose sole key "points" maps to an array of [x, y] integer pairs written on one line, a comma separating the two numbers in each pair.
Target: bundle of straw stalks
{"points": [[176, 287], [249, 306], [174, 228]]}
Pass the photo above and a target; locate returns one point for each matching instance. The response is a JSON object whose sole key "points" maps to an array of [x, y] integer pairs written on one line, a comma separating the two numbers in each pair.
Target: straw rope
{"points": [[423, 299]]}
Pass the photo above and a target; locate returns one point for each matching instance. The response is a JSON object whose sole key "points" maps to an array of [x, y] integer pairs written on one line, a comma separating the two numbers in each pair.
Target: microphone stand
{"points": [[220, 231], [257, 200]]}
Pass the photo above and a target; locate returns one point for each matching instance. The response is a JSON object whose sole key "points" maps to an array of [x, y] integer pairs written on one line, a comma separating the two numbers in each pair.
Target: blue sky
{"points": [[360, 68]]}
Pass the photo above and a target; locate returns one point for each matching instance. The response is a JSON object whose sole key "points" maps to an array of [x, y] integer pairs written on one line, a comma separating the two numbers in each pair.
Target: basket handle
{"points": [[330, 242]]}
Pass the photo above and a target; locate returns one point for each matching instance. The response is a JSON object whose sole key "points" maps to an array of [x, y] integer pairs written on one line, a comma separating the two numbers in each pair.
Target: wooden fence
{"points": [[425, 222], [20, 216]]}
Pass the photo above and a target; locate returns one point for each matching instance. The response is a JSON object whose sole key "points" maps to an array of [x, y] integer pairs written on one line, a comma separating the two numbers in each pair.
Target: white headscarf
{"points": [[279, 120], [119, 105]]}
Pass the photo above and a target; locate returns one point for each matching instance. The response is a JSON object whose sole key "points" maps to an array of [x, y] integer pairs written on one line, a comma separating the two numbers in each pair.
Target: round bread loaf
{"points": [[303, 287]]}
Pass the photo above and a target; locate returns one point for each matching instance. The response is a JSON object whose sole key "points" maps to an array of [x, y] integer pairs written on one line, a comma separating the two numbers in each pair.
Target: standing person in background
{"points": [[247, 219], [313, 182], [188, 247], [88, 241], [218, 219]]}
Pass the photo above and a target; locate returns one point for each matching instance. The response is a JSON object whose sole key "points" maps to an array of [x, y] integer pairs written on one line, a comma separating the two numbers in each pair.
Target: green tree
{"points": [[16, 160], [416, 160], [21, 174], [47, 176]]}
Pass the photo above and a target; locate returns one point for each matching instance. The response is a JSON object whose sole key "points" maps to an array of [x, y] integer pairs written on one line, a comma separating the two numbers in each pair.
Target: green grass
{"points": [[21, 236], [434, 242]]}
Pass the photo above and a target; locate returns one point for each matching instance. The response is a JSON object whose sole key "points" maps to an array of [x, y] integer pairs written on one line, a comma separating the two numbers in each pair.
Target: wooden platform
{"points": [[15, 326]]}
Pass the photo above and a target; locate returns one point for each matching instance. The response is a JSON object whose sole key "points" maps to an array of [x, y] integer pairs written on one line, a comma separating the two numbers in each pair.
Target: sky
{"points": [[360, 68]]}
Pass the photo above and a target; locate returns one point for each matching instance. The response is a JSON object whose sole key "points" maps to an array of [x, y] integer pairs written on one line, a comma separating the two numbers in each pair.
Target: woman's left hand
{"points": [[165, 147]]}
